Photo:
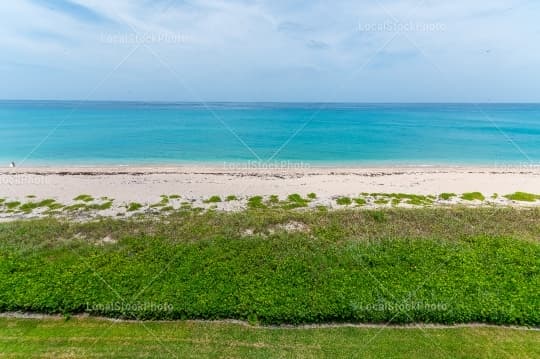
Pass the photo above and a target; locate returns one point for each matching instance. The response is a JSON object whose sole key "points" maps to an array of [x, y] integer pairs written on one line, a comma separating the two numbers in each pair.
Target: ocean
{"points": [[53, 133]]}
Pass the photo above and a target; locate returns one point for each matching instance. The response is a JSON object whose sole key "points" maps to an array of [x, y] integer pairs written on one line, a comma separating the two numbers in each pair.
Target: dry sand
{"points": [[146, 184]]}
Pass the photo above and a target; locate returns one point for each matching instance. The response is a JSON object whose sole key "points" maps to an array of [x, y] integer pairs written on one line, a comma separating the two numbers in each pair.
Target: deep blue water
{"points": [[116, 133]]}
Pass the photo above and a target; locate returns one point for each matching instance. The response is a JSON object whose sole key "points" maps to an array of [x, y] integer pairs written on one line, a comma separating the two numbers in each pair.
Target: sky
{"points": [[271, 50]]}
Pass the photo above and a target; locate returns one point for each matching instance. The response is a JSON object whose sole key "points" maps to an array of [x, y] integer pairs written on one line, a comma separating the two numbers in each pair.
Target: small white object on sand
{"points": [[12, 164]]}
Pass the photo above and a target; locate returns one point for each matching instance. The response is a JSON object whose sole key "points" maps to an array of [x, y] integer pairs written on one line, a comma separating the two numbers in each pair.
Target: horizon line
{"points": [[277, 102]]}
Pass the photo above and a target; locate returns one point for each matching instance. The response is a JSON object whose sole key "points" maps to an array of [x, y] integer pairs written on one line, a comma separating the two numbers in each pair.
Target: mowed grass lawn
{"points": [[86, 338]]}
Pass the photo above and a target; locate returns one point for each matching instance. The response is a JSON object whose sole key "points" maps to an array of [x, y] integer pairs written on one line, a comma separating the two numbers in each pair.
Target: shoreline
{"points": [[271, 168]]}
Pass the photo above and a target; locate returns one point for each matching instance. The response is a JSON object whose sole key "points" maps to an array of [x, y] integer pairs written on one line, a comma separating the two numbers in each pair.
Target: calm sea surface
{"points": [[122, 133]]}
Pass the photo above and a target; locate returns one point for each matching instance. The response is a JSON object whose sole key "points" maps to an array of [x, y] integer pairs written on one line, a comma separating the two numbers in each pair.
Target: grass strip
{"points": [[84, 338]]}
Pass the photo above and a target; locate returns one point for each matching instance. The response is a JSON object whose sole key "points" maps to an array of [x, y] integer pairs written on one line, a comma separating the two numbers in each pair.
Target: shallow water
{"points": [[116, 133]]}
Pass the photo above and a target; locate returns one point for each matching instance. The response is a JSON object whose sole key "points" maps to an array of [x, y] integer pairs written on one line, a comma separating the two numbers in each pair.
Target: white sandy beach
{"points": [[146, 184]]}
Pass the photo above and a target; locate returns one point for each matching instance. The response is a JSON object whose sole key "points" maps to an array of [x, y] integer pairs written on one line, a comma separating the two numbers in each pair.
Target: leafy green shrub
{"points": [[332, 273], [295, 201], [213, 199], [360, 201], [522, 197], [134, 206], [12, 205], [273, 199], [47, 203], [412, 199], [473, 196], [84, 198], [256, 202], [447, 196], [100, 207], [344, 201], [164, 199], [76, 207], [30, 206], [55, 205]]}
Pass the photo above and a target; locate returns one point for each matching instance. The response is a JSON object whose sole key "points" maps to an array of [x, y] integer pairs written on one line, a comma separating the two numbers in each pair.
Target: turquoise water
{"points": [[118, 133]]}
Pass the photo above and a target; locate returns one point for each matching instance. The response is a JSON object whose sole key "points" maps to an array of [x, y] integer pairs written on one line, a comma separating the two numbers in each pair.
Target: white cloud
{"points": [[226, 48]]}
